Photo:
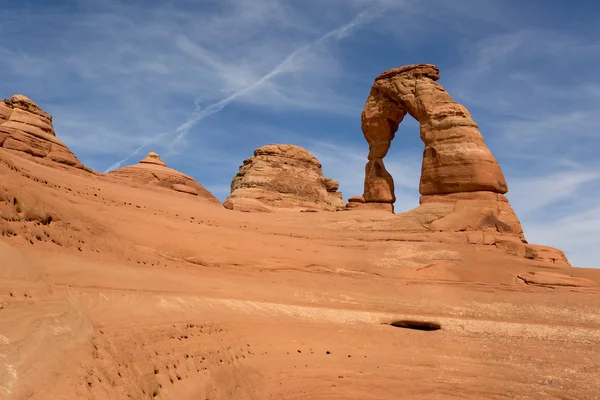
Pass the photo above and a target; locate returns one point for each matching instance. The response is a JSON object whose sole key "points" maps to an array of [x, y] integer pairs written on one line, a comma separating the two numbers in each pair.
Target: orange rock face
{"points": [[154, 172], [455, 159], [462, 186], [283, 176], [116, 289], [26, 128]]}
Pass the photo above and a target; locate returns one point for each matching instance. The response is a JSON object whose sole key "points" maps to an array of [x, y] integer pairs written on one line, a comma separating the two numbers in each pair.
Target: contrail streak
{"points": [[199, 114]]}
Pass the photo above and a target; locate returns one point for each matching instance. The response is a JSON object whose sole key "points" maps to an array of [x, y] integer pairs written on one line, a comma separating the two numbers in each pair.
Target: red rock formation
{"points": [[154, 172], [25, 127], [462, 186], [455, 159], [283, 176]]}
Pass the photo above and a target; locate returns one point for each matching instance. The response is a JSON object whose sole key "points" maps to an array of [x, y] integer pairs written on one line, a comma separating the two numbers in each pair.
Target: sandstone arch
{"points": [[455, 159]]}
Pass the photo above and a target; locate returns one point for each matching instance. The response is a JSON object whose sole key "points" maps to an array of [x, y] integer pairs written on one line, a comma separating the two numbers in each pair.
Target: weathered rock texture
{"points": [[455, 159], [154, 172], [553, 279], [283, 176], [462, 186], [25, 127]]}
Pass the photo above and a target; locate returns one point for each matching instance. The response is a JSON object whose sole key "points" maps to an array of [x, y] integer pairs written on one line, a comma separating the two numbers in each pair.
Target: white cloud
{"points": [[141, 58], [531, 194], [576, 234]]}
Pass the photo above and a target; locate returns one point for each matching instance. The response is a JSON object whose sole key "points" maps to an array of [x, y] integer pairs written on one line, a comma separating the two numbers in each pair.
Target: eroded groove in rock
{"points": [[417, 325], [552, 279]]}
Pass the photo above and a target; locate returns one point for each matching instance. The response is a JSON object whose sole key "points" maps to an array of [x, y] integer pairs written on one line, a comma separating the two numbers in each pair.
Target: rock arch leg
{"points": [[380, 119]]}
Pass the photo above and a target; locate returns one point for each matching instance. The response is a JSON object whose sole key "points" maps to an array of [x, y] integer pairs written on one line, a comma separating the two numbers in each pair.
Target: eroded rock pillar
{"points": [[380, 119]]}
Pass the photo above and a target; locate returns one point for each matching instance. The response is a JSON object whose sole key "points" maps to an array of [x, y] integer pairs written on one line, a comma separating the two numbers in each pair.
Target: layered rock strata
{"points": [[455, 158], [26, 128], [152, 171], [462, 186], [283, 177]]}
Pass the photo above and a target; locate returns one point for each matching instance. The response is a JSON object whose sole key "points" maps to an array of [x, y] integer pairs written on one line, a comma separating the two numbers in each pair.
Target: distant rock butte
{"points": [[462, 186], [153, 171], [283, 177], [26, 128], [153, 158]]}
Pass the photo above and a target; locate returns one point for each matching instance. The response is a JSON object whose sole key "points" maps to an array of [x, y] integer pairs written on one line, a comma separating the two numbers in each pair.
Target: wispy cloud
{"points": [[529, 195], [561, 210], [576, 233], [284, 66], [148, 62]]}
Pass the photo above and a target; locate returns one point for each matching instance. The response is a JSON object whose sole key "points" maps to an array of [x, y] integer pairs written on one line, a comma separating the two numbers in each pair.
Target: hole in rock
{"points": [[403, 162], [417, 325]]}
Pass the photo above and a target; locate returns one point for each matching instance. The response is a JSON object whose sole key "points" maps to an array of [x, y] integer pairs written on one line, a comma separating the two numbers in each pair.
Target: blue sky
{"points": [[204, 83]]}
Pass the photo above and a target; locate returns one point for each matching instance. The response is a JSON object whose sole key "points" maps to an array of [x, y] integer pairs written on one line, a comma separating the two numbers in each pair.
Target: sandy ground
{"points": [[110, 291]]}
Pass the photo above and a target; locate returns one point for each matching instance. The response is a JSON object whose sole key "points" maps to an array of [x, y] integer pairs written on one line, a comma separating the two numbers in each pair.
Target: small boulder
{"points": [[331, 185], [357, 199]]}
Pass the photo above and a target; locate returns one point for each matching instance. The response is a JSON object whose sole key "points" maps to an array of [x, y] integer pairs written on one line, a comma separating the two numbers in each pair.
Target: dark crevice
{"points": [[417, 325]]}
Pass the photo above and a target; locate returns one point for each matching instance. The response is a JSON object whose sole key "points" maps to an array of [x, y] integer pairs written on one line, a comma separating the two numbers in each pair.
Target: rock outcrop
{"points": [[25, 127], [153, 171], [462, 186], [455, 158], [283, 176]]}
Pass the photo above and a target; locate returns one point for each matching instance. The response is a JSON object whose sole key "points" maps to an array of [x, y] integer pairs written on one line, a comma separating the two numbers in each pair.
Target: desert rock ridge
{"points": [[25, 127], [152, 171], [111, 289]]}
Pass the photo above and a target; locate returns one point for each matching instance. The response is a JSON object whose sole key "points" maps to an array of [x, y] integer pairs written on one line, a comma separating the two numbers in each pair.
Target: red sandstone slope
{"points": [[112, 289], [137, 292], [153, 172]]}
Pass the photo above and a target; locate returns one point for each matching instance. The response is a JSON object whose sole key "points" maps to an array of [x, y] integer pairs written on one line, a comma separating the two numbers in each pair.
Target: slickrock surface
{"points": [[283, 177], [462, 186], [26, 128], [553, 279], [152, 171], [109, 290]]}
